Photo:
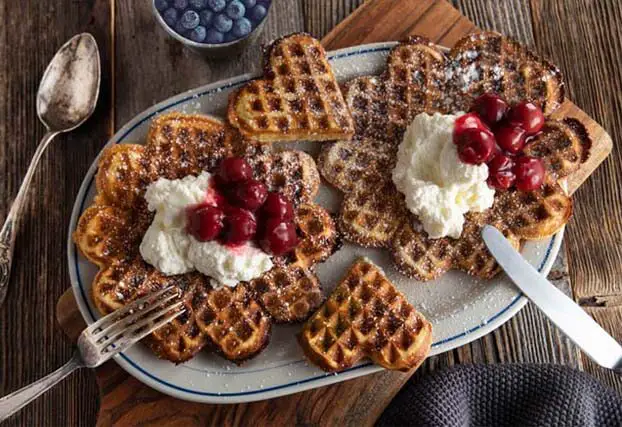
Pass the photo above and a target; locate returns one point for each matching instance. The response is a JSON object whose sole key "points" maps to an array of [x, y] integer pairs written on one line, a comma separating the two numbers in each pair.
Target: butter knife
{"points": [[568, 316]]}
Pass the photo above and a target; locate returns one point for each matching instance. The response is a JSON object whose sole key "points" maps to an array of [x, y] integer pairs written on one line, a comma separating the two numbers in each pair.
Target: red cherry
{"points": [[205, 222], [240, 226], [510, 138], [250, 194], [467, 121], [490, 107], [279, 237], [234, 169], [213, 196], [529, 173], [278, 206], [528, 116], [475, 146], [500, 172]]}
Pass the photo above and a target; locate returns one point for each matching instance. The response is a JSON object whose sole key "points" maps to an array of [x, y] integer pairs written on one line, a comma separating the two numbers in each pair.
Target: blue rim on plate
{"points": [[133, 367]]}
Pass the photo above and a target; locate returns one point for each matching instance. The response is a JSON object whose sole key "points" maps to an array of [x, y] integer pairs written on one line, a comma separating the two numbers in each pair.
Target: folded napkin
{"points": [[505, 395]]}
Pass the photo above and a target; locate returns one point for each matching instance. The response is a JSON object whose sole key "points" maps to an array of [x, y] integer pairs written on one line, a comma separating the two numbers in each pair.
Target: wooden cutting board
{"points": [[126, 401]]}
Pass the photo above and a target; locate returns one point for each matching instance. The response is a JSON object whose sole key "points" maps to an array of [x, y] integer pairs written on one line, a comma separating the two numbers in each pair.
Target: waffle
{"points": [[242, 146], [291, 291], [234, 322], [120, 283], [184, 144], [365, 97], [297, 99], [367, 218], [490, 62], [105, 234], [414, 82], [519, 216], [228, 320], [563, 145], [370, 218], [345, 165], [276, 169], [124, 176], [366, 316], [382, 107], [373, 212]]}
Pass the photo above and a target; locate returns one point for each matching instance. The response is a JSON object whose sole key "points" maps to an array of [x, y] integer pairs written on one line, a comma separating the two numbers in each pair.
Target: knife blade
{"points": [[568, 316]]}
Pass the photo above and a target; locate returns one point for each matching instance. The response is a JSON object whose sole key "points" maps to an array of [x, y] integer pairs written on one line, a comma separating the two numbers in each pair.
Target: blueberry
{"points": [[206, 17], [180, 4], [161, 5], [198, 4], [242, 27], [222, 23], [170, 16], [249, 3], [216, 5], [198, 34], [258, 13], [235, 10], [214, 36], [179, 28], [189, 19], [229, 37]]}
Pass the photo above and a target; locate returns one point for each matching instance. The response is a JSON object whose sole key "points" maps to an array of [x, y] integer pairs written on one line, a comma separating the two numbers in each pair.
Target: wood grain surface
{"points": [[142, 66]]}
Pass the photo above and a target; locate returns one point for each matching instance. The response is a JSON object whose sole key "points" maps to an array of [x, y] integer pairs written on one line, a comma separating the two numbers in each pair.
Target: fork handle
{"points": [[15, 401]]}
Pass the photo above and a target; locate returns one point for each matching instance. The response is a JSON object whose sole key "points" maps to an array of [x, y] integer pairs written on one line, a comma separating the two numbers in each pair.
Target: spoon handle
{"points": [[9, 229]]}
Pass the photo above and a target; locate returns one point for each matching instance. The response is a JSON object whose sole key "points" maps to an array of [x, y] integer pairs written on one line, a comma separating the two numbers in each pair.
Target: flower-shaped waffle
{"points": [[420, 78], [235, 322]]}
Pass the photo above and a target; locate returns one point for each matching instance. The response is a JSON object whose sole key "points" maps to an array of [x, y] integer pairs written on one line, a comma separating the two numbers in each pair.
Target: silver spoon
{"points": [[66, 98]]}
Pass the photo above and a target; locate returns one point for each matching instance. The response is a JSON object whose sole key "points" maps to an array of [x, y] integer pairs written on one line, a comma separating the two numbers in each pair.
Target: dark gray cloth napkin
{"points": [[505, 395]]}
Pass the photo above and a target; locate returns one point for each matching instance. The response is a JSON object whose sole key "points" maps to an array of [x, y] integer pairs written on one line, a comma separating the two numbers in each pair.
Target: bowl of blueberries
{"points": [[213, 27]]}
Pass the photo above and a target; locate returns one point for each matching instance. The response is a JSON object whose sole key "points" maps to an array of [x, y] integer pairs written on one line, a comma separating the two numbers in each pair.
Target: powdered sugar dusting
{"points": [[469, 76]]}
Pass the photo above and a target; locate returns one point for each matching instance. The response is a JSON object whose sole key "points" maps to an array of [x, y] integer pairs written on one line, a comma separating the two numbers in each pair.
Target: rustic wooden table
{"points": [[141, 65]]}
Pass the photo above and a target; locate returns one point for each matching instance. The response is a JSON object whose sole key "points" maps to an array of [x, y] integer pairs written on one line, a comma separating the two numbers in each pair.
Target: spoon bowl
{"points": [[69, 87]]}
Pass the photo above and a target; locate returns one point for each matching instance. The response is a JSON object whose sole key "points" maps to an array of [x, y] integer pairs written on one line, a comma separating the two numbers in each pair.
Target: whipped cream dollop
{"points": [[169, 248], [438, 186]]}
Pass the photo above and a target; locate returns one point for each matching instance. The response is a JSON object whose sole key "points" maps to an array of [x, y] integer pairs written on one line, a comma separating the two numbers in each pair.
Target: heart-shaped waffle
{"points": [[413, 82], [373, 212], [297, 99], [366, 316], [235, 322]]}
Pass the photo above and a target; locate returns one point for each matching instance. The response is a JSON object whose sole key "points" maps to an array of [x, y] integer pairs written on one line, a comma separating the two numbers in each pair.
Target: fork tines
{"points": [[122, 328]]}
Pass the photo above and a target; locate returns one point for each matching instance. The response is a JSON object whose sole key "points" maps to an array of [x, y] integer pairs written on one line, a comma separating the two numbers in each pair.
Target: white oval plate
{"points": [[460, 307]]}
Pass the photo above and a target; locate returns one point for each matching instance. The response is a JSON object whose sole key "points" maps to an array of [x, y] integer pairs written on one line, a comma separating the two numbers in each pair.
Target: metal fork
{"points": [[105, 338]]}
